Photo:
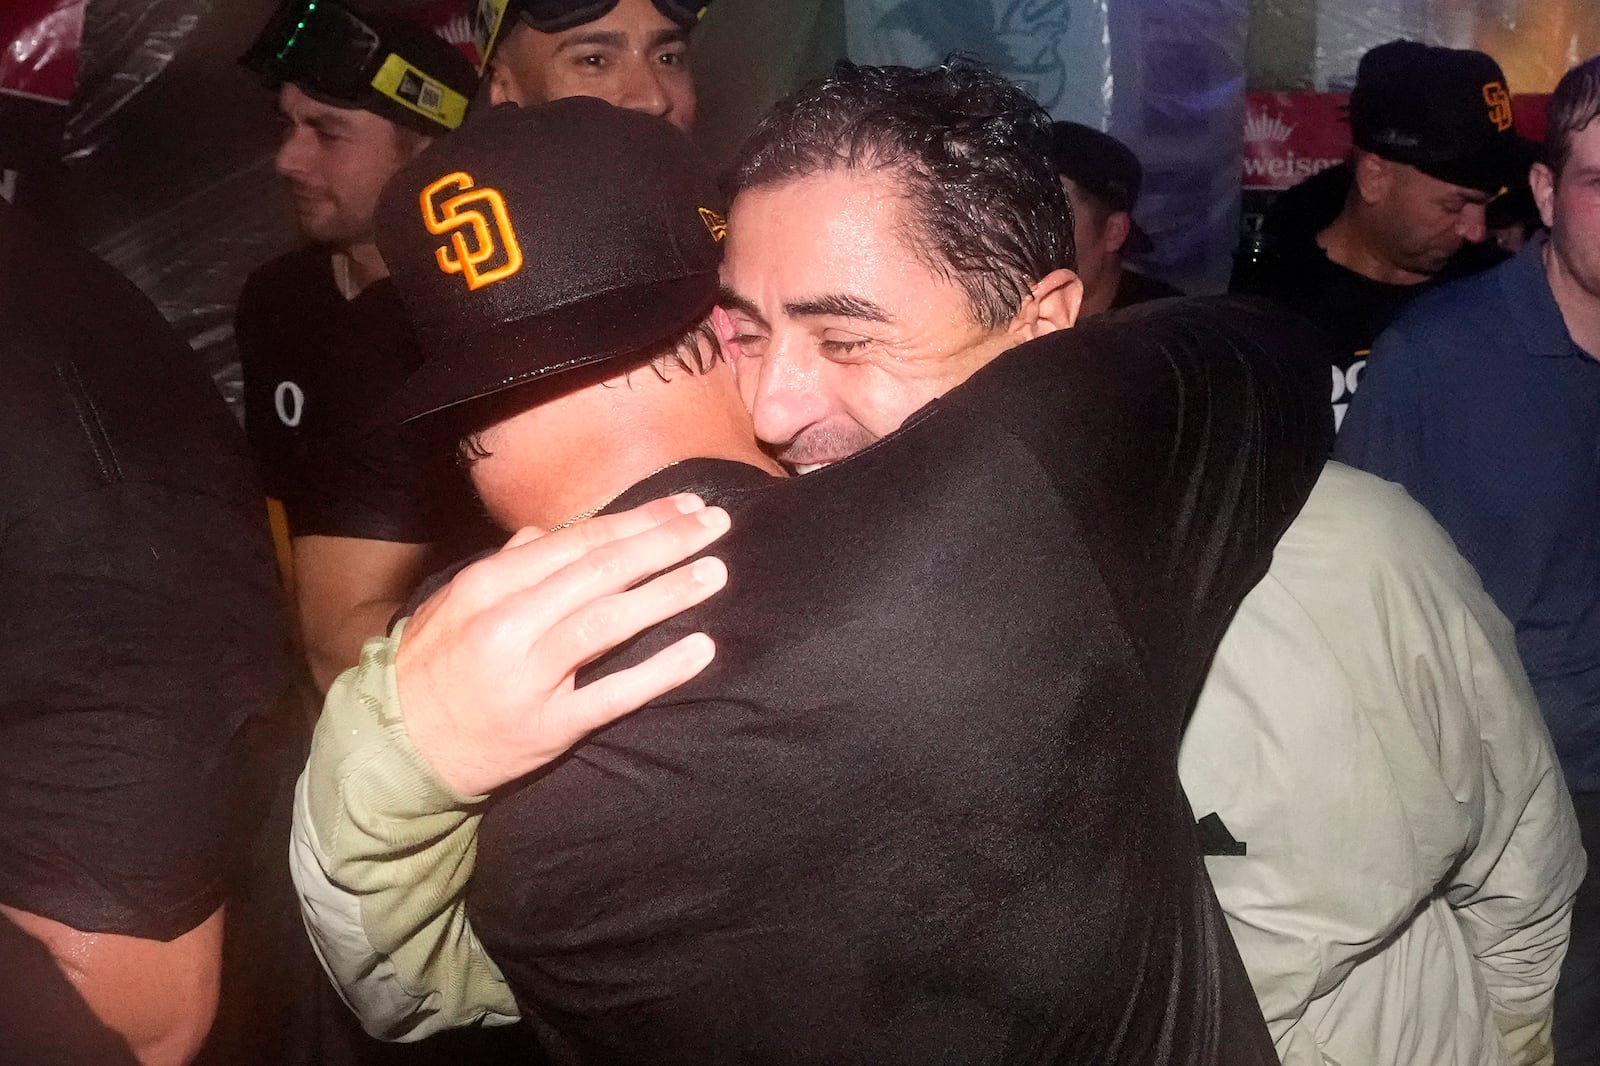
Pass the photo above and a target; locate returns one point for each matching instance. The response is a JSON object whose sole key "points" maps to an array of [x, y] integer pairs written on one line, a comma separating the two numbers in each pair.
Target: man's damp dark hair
{"points": [[972, 149], [1574, 104]]}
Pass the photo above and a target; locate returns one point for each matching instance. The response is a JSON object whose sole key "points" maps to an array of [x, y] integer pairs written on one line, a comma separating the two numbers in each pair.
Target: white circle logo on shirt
{"points": [[290, 402]]}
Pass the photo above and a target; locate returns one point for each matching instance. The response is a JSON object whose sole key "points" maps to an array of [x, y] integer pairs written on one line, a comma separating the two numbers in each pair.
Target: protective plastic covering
{"points": [[1165, 76], [166, 149], [1298, 44]]}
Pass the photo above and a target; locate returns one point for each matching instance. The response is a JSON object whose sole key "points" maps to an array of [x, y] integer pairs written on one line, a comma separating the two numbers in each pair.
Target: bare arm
{"points": [[347, 590], [160, 996]]}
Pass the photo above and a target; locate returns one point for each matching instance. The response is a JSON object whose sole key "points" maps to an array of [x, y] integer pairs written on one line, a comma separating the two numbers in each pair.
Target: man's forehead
{"points": [[634, 22], [864, 205], [297, 104]]}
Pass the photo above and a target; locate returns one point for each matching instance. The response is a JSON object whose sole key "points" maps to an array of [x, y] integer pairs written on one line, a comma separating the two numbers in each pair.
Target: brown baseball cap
{"points": [[540, 239], [1445, 111]]}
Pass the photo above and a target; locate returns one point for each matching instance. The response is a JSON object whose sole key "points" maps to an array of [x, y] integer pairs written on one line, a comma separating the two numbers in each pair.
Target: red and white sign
{"points": [[1290, 136], [39, 44]]}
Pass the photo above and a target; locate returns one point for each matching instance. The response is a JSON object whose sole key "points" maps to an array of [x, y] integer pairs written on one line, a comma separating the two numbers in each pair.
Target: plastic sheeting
{"points": [[1301, 44], [1165, 76]]}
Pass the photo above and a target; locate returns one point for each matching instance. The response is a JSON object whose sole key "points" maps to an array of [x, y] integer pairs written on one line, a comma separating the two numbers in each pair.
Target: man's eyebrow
{"points": [[321, 121], [837, 305], [732, 301], [593, 38], [671, 35]]}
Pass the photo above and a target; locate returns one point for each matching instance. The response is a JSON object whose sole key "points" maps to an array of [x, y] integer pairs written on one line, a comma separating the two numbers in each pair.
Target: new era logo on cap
{"points": [[482, 214], [716, 225]]}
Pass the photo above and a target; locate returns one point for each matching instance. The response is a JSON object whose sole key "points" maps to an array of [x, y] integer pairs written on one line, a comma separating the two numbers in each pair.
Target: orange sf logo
{"points": [[479, 227], [1499, 101]]}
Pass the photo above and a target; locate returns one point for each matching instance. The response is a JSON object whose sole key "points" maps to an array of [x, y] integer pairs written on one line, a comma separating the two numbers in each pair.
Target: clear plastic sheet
{"points": [[1299, 45], [1166, 76]]}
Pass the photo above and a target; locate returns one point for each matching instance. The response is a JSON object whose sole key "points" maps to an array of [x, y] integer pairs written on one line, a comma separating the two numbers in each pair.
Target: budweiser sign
{"points": [[1290, 136]]}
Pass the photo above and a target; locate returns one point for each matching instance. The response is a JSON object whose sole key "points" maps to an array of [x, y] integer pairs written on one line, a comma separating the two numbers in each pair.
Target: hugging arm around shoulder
{"points": [[381, 853]]}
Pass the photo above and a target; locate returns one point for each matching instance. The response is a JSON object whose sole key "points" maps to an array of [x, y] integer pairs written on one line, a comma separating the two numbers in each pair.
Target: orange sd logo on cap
{"points": [[1499, 101], [479, 228]]}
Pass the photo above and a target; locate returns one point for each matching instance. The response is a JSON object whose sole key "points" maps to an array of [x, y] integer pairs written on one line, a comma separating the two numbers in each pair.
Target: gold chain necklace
{"points": [[591, 512]]}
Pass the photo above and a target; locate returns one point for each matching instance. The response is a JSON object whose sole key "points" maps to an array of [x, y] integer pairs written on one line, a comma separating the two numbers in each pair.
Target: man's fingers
{"points": [[593, 532], [572, 566], [604, 701], [599, 627], [526, 613]]}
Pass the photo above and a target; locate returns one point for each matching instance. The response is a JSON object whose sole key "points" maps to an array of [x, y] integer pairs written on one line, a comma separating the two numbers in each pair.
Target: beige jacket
{"points": [[1368, 731]]}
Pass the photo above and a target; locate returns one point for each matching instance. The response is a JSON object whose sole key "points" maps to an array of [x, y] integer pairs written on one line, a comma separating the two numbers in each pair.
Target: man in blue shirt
{"points": [[1483, 400]]}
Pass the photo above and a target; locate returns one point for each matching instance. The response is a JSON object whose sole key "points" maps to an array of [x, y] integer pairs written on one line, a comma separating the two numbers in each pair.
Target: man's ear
{"points": [[722, 325], [1543, 181], [503, 88], [1374, 177], [1118, 225], [1052, 304]]}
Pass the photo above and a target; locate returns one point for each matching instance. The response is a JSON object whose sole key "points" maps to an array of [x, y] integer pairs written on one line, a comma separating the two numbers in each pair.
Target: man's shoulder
{"points": [[1356, 523], [288, 280], [1471, 309]]}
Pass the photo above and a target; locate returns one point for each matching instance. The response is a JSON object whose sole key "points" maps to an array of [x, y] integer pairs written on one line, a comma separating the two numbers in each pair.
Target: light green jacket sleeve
{"points": [[381, 852]]}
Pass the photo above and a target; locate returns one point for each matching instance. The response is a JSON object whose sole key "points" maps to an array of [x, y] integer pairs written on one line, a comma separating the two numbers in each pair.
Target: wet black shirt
{"points": [[316, 368], [141, 642], [1137, 288], [924, 807]]}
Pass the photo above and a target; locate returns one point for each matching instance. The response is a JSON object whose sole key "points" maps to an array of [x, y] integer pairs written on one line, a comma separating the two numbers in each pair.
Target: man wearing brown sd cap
{"points": [[857, 837]]}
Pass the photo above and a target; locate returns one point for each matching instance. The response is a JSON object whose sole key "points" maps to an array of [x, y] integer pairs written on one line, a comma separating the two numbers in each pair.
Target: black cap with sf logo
{"points": [[536, 240], [1445, 111]]}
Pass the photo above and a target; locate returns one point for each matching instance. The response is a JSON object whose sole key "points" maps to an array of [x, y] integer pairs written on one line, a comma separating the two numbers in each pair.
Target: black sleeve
{"points": [[143, 652], [393, 484], [336, 473], [1186, 435], [138, 652]]}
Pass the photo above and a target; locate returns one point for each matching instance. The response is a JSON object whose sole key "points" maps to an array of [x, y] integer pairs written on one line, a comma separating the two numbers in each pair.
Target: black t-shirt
{"points": [[1350, 308], [142, 647], [924, 807], [316, 368], [1137, 288]]}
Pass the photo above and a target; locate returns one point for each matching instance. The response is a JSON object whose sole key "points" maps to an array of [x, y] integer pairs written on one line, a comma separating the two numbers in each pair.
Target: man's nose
{"points": [[642, 89], [291, 157], [786, 397], [1474, 226]]}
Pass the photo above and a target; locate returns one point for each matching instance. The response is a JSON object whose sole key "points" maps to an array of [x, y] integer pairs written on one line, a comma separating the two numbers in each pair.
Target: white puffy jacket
{"points": [[1368, 732]]}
